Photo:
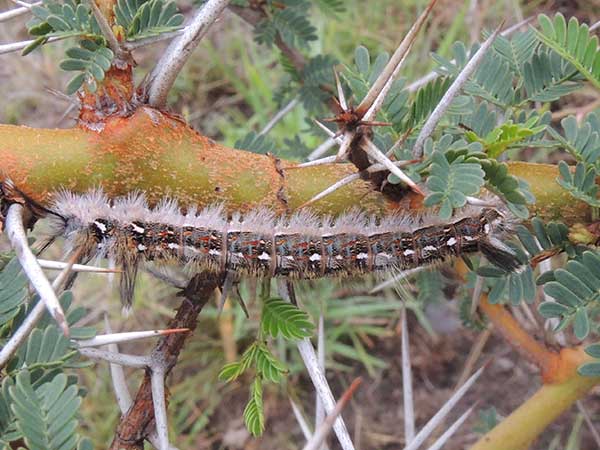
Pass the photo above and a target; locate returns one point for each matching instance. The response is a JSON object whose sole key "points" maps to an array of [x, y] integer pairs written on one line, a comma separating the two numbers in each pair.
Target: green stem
{"points": [[160, 155]]}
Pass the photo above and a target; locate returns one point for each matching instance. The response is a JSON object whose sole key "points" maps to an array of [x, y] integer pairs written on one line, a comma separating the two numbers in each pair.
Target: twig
{"points": [[136, 425], [176, 55], [442, 412], [321, 433], [407, 388], [280, 115], [452, 92], [18, 240]]}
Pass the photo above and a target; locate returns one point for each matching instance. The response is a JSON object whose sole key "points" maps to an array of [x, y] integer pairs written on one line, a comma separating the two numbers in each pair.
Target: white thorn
{"points": [[442, 412], [478, 202], [176, 55], [371, 149], [385, 79], [321, 161], [433, 75], [309, 357], [321, 150], [280, 115], [395, 279], [334, 187], [117, 375], [307, 352], [115, 338], [30, 321], [439, 443], [301, 420], [18, 239], [122, 359], [157, 379], [16, 12], [59, 265], [345, 146], [327, 131], [16, 46], [319, 410], [321, 433], [407, 388], [340, 91], [452, 92]]}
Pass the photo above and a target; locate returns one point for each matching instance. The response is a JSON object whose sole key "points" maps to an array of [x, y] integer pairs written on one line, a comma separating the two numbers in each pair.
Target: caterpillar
{"points": [[259, 243]]}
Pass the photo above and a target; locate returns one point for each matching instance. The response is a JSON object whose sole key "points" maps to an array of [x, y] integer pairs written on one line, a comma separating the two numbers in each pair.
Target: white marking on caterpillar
{"points": [[451, 241]]}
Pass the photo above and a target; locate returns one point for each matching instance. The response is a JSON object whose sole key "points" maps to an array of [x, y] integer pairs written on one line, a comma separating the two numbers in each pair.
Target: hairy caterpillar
{"points": [[260, 244]]}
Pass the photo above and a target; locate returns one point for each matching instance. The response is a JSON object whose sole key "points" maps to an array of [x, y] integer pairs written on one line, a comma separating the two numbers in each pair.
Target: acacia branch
{"points": [[159, 155], [138, 424]]}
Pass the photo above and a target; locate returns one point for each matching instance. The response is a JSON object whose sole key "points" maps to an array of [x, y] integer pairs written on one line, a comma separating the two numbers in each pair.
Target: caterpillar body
{"points": [[261, 244]]}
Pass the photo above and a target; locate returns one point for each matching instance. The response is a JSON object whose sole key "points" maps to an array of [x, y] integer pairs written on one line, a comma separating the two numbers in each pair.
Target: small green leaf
{"points": [[589, 369], [593, 350], [581, 326]]}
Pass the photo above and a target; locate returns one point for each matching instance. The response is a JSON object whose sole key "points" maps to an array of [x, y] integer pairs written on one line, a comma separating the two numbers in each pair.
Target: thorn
{"points": [[329, 133], [157, 381], [430, 426], [37, 278], [122, 359], [340, 91], [114, 338], [334, 187], [321, 149], [451, 93], [117, 375], [307, 352], [378, 155], [316, 162], [342, 153], [301, 420], [59, 265], [371, 103], [407, 387], [321, 433], [439, 444]]}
